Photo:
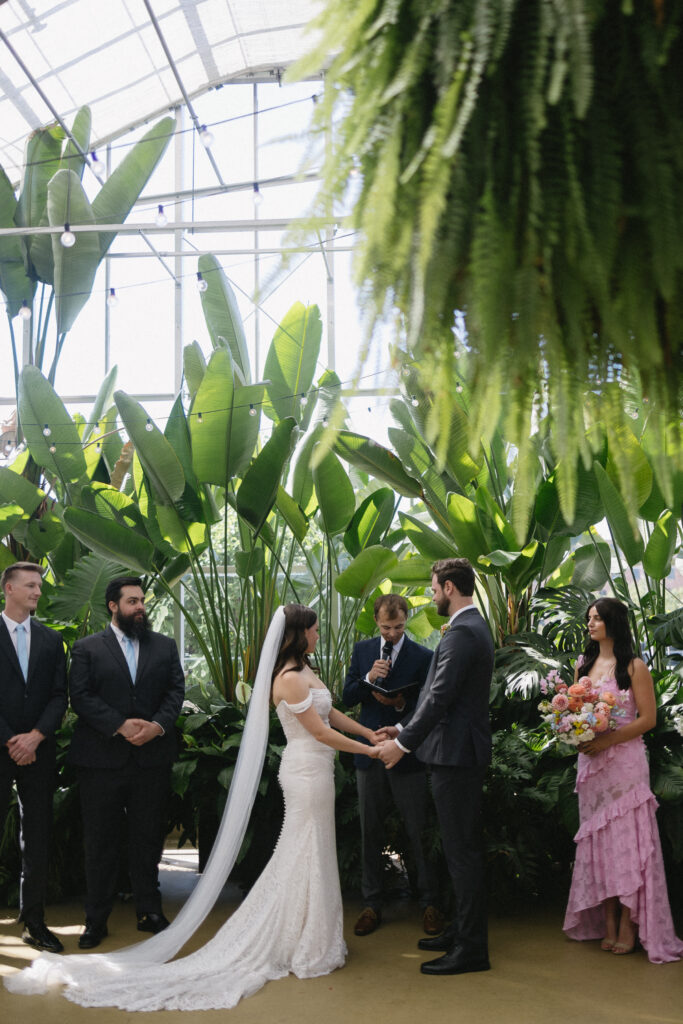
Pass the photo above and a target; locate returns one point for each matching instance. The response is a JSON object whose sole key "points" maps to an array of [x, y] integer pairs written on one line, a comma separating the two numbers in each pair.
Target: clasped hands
{"points": [[139, 731], [22, 747], [387, 752]]}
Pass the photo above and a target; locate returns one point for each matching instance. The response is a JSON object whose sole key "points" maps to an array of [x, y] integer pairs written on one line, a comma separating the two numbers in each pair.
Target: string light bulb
{"points": [[458, 388], [99, 170], [202, 285], [112, 298], [200, 418], [414, 402], [252, 410], [258, 194], [46, 430], [161, 220], [25, 311], [52, 449], [206, 137], [67, 238], [149, 426]]}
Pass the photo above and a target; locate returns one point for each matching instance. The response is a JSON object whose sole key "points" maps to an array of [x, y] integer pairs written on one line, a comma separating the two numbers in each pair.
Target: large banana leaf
{"points": [[592, 565], [222, 314], [516, 567], [83, 591], [41, 161], [418, 460], [303, 490], [370, 521], [626, 534], [159, 460], [45, 533], [223, 432], [15, 284], [464, 523], [41, 408], [194, 367], [413, 571], [16, 489], [75, 268], [628, 467], [335, 494], [291, 361], [118, 195], [291, 511], [80, 131], [366, 454], [10, 515], [259, 488], [103, 400], [110, 540], [366, 572], [424, 539], [661, 546]]}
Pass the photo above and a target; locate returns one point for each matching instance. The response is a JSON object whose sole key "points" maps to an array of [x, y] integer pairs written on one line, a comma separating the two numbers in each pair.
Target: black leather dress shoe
{"points": [[92, 936], [457, 962], [438, 943], [38, 935], [152, 923]]}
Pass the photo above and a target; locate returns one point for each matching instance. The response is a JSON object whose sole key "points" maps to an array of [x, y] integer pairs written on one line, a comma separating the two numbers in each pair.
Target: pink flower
{"points": [[561, 688], [575, 701], [608, 698], [601, 723], [560, 702], [577, 689]]}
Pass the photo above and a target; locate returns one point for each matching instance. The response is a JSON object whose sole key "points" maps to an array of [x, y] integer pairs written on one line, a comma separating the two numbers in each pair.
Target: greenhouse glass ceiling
{"points": [[132, 60]]}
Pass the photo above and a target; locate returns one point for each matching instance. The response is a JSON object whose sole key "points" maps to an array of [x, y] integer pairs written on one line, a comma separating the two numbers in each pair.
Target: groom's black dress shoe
{"points": [[438, 943], [152, 923], [92, 936], [38, 935], [457, 962]]}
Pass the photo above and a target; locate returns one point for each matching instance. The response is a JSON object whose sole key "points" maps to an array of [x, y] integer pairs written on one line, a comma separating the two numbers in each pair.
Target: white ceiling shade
{"points": [[107, 54]]}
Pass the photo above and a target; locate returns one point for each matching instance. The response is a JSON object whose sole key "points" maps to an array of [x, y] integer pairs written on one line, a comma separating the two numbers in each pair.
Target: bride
{"points": [[291, 920]]}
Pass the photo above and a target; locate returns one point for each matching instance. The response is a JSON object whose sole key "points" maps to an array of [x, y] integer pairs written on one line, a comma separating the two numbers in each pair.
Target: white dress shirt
{"points": [[12, 627]]}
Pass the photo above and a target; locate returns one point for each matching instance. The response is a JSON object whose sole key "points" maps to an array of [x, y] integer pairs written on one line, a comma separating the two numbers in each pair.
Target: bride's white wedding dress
{"points": [[290, 921]]}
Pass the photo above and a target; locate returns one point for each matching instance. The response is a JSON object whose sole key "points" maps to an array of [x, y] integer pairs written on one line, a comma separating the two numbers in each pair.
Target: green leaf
{"points": [[45, 534], [41, 161], [110, 540], [222, 314], [464, 523], [414, 571], [626, 534], [194, 367], [418, 460], [335, 494], [366, 571], [628, 467], [427, 541], [83, 590], [370, 521], [9, 517], [366, 454], [592, 565], [292, 514], [224, 439], [80, 131], [159, 460], [291, 361], [15, 284], [420, 625], [303, 490], [75, 268], [118, 194], [661, 546], [103, 401], [259, 487], [16, 489], [39, 408], [248, 563]]}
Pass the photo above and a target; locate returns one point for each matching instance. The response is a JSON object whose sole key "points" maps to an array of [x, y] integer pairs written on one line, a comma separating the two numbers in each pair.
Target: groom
{"points": [[450, 731]]}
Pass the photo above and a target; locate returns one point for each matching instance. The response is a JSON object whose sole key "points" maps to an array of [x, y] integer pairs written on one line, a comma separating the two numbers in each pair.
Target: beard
{"points": [[442, 606], [135, 625]]}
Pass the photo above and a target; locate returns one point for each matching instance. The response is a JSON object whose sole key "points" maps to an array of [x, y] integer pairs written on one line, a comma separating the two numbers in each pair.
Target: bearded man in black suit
{"points": [[450, 731], [126, 686], [399, 665], [32, 705]]}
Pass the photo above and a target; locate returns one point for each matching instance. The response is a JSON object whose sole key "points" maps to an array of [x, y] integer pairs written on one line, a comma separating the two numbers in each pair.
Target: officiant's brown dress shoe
{"points": [[432, 921], [368, 921]]}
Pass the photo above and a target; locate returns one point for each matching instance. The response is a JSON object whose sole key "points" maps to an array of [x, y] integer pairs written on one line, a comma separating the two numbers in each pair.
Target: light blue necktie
{"points": [[129, 651], [22, 653]]}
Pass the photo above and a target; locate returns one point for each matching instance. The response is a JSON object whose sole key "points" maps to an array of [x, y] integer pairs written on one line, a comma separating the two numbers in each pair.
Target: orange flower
{"points": [[608, 698]]}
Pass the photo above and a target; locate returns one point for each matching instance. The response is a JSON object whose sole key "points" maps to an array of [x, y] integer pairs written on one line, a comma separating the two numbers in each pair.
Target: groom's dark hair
{"points": [[459, 571], [294, 647]]}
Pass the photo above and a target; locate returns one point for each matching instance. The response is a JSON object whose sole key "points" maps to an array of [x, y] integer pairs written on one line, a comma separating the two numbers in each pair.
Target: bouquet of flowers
{"points": [[577, 713]]}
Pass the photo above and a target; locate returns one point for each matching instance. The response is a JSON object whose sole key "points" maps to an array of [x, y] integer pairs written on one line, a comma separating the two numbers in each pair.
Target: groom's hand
{"points": [[390, 753], [387, 732]]}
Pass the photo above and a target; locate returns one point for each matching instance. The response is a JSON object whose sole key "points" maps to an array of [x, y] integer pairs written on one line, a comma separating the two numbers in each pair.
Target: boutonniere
{"points": [[444, 629]]}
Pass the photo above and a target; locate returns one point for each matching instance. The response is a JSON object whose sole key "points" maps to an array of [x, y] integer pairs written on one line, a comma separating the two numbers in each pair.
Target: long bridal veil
{"points": [[50, 969]]}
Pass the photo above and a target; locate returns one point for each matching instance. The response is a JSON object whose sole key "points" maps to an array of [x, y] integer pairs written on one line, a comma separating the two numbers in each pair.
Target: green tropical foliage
{"points": [[518, 162]]}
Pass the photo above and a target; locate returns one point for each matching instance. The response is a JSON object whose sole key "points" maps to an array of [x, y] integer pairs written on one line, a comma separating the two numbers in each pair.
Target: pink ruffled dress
{"points": [[618, 852]]}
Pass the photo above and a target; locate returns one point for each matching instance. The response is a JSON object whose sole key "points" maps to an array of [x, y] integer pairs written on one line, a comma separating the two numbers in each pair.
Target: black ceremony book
{"points": [[395, 691]]}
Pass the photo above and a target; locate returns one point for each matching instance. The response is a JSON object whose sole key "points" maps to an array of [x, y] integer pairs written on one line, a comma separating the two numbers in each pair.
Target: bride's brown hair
{"points": [[294, 647]]}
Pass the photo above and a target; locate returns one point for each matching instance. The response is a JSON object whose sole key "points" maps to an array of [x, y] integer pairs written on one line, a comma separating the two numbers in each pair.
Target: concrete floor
{"points": [[538, 976]]}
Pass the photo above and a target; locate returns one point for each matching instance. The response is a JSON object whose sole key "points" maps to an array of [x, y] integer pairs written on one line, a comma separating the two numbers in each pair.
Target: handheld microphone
{"points": [[386, 651]]}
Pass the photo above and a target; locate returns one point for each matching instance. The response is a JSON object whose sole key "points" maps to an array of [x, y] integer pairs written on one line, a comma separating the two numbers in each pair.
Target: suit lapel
{"points": [[7, 646], [36, 644], [143, 657], [114, 646]]}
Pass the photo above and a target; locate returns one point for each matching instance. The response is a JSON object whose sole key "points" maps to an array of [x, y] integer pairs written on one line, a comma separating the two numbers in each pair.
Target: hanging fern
{"points": [[519, 161]]}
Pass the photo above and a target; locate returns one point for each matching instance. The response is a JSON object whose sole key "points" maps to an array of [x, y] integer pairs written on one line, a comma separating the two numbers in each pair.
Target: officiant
{"points": [[384, 677]]}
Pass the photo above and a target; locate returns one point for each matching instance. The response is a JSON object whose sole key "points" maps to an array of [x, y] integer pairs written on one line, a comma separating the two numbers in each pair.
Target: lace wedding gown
{"points": [[618, 852], [290, 921]]}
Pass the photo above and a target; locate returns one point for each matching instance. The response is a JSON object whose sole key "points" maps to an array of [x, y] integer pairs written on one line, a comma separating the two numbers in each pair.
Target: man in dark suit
{"points": [[392, 661], [32, 705], [450, 731], [126, 686]]}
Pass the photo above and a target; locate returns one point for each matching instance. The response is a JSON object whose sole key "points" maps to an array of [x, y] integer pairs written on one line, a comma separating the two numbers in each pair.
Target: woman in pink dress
{"points": [[618, 891]]}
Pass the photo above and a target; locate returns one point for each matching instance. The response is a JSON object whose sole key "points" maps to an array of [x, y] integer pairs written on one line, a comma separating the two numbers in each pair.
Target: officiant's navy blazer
{"points": [[411, 666]]}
